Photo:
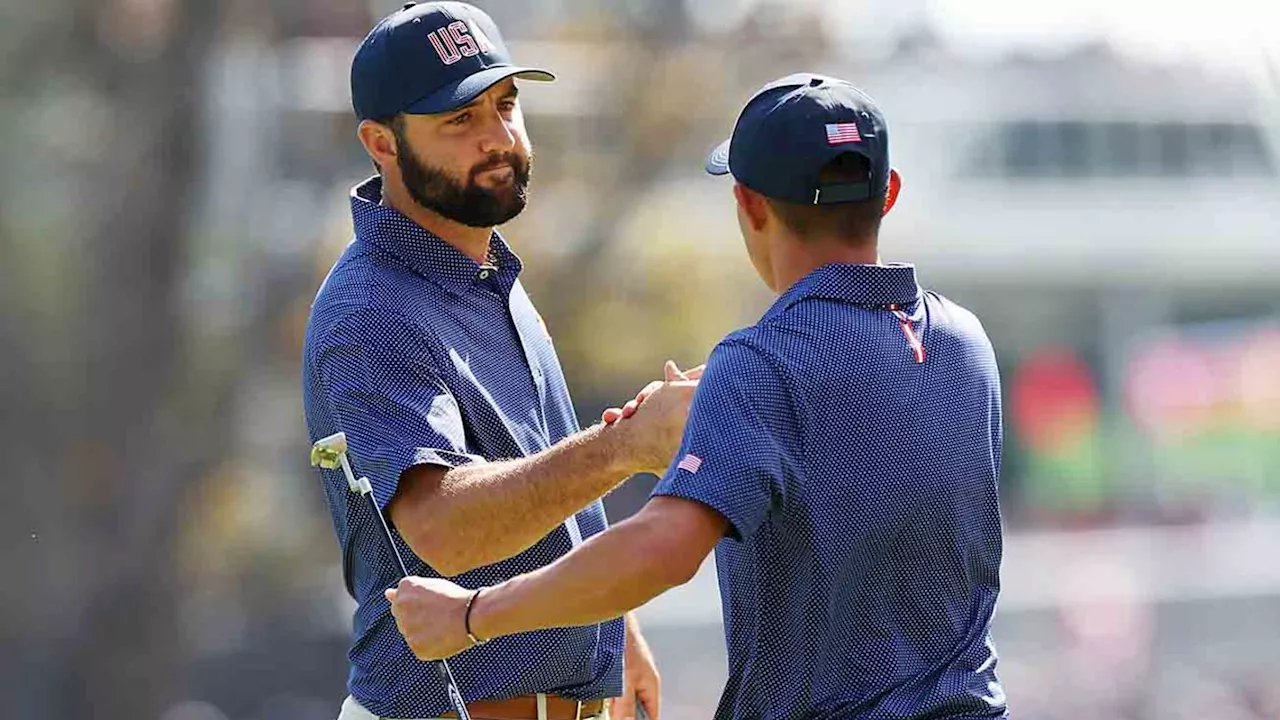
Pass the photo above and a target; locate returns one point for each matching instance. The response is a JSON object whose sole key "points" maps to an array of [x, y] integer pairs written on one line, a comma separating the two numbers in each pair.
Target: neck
{"points": [[793, 259], [470, 241]]}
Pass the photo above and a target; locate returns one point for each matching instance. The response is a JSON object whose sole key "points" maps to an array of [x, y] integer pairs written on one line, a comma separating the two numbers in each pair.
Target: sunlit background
{"points": [[1097, 179]]}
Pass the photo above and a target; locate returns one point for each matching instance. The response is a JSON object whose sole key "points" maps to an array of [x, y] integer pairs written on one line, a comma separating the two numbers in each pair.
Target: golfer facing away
{"points": [[841, 456]]}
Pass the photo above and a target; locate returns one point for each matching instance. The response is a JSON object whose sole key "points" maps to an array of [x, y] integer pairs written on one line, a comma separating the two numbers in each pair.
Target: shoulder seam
{"points": [[793, 392], [367, 307]]}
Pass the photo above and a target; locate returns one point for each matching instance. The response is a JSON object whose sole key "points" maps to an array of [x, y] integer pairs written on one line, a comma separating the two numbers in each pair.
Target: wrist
{"points": [[480, 622], [635, 641], [620, 449], [467, 623]]}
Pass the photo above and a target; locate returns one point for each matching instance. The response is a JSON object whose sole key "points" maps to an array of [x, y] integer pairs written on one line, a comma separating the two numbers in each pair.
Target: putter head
{"points": [[326, 452]]}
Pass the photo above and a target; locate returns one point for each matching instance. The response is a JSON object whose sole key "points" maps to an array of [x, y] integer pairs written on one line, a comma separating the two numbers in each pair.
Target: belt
{"points": [[525, 707]]}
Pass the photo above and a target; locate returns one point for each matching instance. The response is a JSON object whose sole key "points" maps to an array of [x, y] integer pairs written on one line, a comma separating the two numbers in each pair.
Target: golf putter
{"points": [[331, 453]]}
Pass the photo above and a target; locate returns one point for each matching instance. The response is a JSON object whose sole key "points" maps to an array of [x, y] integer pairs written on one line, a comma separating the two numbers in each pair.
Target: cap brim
{"points": [[718, 160], [455, 95]]}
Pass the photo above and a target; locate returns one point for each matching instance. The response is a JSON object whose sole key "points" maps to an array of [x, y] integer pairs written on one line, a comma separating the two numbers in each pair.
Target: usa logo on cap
{"points": [[459, 39]]}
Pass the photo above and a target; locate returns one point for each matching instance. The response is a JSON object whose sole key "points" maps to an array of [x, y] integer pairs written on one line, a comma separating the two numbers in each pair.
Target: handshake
{"points": [[651, 425]]}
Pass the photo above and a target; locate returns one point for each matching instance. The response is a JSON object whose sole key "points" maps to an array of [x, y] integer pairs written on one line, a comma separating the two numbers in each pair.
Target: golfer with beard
{"points": [[424, 349]]}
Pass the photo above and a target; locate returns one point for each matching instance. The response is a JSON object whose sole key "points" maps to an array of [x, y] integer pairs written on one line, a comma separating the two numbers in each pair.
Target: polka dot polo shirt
{"points": [[852, 439], [421, 355]]}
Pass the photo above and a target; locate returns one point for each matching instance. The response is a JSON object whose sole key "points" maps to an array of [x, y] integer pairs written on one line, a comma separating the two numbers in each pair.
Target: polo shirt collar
{"points": [[869, 285], [423, 251]]}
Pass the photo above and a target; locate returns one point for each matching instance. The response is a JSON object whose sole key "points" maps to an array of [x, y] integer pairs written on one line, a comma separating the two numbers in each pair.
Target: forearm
{"points": [[606, 577], [633, 624], [480, 514]]}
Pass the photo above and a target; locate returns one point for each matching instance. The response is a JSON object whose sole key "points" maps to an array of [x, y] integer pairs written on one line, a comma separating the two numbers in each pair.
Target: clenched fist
{"points": [[431, 615]]}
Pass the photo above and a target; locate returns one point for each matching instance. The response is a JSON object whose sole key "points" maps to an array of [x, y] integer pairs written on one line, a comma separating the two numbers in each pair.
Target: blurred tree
{"points": [[114, 410], [653, 55], [612, 329]]}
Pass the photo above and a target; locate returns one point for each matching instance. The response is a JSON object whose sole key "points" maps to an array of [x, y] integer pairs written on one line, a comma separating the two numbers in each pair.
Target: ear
{"points": [[753, 205], [379, 142], [891, 193]]}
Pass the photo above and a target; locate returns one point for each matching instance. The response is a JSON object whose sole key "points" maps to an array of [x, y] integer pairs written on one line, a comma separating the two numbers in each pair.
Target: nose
{"points": [[498, 136]]}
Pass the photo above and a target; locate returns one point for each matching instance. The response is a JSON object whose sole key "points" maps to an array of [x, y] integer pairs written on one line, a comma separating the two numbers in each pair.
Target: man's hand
{"points": [[651, 433], [640, 680], [431, 615], [671, 371]]}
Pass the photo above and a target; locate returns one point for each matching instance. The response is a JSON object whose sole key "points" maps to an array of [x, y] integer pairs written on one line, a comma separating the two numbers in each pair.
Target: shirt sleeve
{"points": [[738, 449], [384, 391]]}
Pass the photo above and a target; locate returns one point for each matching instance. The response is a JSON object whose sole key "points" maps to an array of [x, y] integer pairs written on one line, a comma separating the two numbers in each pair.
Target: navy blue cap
{"points": [[430, 58], [794, 126]]}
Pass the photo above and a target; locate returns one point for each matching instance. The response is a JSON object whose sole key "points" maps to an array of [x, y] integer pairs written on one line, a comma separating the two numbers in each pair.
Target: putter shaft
{"points": [[346, 470], [322, 453], [446, 675]]}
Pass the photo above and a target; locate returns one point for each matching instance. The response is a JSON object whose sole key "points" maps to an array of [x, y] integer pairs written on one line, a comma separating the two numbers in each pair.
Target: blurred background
{"points": [[1098, 180]]}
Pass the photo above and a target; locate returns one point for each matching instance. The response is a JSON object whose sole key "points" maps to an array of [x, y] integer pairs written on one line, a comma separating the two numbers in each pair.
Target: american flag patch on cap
{"points": [[840, 133], [690, 462]]}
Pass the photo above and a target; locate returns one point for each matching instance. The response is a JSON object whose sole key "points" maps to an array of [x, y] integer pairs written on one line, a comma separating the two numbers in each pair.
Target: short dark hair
{"points": [[852, 222], [396, 123]]}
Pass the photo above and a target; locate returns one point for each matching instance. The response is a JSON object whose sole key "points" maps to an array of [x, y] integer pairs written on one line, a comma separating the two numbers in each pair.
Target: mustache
{"points": [[497, 160]]}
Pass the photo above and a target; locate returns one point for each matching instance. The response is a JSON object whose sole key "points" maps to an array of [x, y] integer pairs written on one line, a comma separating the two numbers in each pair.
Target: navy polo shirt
{"points": [[852, 440], [421, 355]]}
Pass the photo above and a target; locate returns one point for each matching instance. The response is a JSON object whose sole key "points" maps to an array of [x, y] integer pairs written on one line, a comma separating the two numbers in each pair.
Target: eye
{"points": [[507, 105], [461, 118]]}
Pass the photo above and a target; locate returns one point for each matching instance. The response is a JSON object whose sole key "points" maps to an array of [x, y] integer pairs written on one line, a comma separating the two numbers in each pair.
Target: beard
{"points": [[434, 188]]}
